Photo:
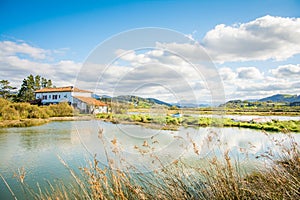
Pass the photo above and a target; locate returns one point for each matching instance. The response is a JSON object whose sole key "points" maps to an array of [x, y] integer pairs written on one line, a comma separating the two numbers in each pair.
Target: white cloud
{"points": [[227, 74], [249, 73], [9, 48], [264, 38], [251, 83], [18, 60], [288, 71], [188, 51]]}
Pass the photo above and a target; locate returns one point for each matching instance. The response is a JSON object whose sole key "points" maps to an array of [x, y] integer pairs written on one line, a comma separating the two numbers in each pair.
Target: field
{"points": [[173, 123]]}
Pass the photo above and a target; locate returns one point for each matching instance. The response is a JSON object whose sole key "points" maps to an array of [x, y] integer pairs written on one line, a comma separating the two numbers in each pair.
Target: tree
{"points": [[5, 89], [31, 84], [46, 83]]}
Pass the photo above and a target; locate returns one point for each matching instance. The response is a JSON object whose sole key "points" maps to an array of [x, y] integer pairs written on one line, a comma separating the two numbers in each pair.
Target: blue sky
{"points": [[56, 34]]}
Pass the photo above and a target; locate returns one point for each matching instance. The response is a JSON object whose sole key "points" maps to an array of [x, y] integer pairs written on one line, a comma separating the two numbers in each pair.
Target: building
{"points": [[89, 105], [79, 99]]}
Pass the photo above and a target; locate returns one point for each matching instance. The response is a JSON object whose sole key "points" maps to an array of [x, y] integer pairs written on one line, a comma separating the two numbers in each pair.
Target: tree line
{"points": [[26, 92]]}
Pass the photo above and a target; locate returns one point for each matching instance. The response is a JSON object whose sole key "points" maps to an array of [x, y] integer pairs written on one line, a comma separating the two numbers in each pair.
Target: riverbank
{"points": [[173, 123], [22, 123], [213, 111], [38, 122]]}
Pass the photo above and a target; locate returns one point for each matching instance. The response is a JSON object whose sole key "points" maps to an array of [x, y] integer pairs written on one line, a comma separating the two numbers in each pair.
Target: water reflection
{"points": [[36, 148]]}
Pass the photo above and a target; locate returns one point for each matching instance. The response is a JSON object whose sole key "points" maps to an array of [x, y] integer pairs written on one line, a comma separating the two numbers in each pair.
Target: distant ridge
{"points": [[133, 99], [282, 98]]}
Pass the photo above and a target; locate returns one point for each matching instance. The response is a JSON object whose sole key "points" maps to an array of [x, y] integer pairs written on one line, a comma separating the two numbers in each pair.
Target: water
{"points": [[37, 148]]}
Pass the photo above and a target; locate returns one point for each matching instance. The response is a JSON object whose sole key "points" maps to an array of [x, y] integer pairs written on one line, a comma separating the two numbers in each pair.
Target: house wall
{"points": [[84, 108], [60, 97], [101, 109], [81, 106], [68, 97]]}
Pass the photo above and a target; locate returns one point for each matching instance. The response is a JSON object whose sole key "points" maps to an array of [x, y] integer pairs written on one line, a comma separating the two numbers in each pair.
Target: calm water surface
{"points": [[36, 149]]}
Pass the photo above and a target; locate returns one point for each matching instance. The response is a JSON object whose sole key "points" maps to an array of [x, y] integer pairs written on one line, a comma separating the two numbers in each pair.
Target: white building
{"points": [[79, 99]]}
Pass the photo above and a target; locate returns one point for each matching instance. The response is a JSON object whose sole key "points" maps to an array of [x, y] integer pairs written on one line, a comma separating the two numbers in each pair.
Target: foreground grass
{"points": [[172, 123], [220, 179]]}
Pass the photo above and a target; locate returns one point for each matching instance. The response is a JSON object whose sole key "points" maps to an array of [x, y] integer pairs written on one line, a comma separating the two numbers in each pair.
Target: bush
{"points": [[171, 120], [23, 109], [3, 103], [37, 112], [61, 110], [9, 113], [15, 111]]}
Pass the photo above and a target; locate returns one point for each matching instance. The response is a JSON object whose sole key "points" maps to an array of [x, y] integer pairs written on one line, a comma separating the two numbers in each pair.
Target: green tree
{"points": [[46, 83], [31, 84], [6, 89]]}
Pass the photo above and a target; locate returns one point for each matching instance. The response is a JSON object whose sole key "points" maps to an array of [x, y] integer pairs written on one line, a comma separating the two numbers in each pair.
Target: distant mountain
{"points": [[150, 101], [190, 105], [158, 102], [133, 99], [96, 96], [252, 100], [282, 98]]}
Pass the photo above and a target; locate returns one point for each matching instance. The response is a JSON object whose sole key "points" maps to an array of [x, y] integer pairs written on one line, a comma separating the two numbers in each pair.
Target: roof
{"points": [[62, 89], [90, 101]]}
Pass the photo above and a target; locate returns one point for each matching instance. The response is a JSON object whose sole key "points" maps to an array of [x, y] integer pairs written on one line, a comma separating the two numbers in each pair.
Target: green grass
{"points": [[190, 121]]}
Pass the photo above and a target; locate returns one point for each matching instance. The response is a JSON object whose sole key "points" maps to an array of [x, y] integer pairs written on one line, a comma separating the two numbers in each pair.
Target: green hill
{"points": [[282, 98]]}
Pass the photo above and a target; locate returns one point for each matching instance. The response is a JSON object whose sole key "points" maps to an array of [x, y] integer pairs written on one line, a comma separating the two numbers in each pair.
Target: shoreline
{"points": [[39, 122], [173, 124], [224, 112]]}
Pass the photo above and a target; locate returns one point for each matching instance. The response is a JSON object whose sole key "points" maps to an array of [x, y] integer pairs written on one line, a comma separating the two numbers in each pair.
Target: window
{"points": [[59, 96], [54, 96], [49, 96], [45, 97]]}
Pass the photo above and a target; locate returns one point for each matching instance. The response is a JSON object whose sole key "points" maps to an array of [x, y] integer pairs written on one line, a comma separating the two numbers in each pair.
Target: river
{"points": [[36, 149]]}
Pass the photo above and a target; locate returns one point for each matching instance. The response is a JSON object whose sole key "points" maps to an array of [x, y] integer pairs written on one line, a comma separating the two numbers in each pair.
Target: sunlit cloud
{"points": [[264, 38]]}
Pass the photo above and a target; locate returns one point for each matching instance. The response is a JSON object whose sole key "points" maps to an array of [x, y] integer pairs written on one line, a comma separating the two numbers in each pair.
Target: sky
{"points": [[253, 46]]}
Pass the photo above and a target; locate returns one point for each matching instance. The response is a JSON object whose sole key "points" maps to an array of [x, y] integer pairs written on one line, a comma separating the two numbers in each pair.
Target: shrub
{"points": [[9, 113], [61, 110], [136, 118], [3, 103], [171, 120], [23, 109], [37, 112]]}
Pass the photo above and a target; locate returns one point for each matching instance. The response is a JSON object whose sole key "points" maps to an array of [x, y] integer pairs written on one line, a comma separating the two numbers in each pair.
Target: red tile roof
{"points": [[62, 89], [90, 101]]}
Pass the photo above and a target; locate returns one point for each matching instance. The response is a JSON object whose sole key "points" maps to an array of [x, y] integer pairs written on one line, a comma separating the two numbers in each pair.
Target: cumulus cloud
{"points": [[251, 83], [227, 74], [264, 86], [264, 38], [189, 51], [289, 70], [249, 73], [18, 60], [9, 48]]}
